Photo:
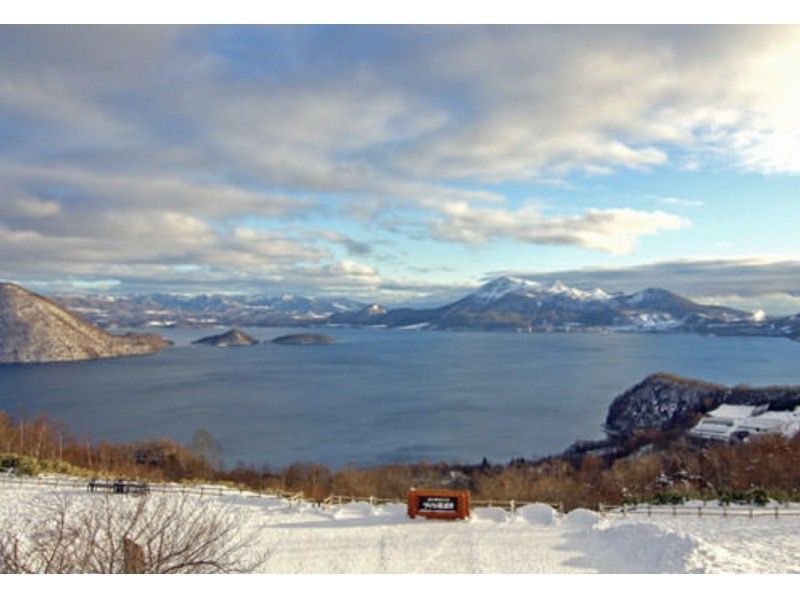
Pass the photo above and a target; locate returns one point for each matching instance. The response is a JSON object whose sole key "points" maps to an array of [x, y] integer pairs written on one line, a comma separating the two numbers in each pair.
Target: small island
{"points": [[233, 338], [304, 339]]}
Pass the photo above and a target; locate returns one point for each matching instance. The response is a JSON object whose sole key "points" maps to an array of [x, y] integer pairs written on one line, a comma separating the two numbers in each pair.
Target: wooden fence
{"points": [[179, 489], [713, 510], [294, 498]]}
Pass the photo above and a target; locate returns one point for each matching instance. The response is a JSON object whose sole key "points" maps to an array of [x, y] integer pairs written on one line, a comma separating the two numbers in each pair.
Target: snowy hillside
{"points": [[505, 285], [359, 538]]}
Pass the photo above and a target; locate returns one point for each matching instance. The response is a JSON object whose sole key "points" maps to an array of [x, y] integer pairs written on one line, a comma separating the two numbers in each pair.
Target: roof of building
{"points": [[735, 412], [772, 421], [728, 420]]}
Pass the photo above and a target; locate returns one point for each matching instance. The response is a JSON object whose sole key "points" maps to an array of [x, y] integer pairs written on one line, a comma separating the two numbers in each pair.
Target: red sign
{"points": [[438, 503]]}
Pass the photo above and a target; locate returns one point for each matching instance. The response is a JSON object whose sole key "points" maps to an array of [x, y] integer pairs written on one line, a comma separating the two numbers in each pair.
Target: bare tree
{"points": [[113, 534], [205, 447]]}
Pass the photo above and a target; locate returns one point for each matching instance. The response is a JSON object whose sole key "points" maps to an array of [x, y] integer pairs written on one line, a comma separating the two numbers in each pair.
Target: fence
{"points": [[291, 497], [699, 511], [181, 489], [294, 498]]}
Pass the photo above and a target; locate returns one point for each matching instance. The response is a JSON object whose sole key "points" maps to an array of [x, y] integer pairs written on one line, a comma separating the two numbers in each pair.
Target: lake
{"points": [[380, 396]]}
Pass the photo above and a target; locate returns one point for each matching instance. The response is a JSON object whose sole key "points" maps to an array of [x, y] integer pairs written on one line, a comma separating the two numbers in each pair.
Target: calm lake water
{"points": [[381, 396]]}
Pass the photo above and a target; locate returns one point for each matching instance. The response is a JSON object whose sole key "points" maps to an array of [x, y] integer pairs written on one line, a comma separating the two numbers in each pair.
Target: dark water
{"points": [[381, 396]]}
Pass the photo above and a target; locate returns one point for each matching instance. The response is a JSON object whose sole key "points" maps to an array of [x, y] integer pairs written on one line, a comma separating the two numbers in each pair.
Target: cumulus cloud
{"points": [[613, 230], [352, 246], [550, 100], [28, 207], [134, 152]]}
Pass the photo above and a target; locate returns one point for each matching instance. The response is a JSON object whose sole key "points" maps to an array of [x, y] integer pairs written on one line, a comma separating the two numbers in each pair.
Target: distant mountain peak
{"points": [[504, 285], [498, 287]]}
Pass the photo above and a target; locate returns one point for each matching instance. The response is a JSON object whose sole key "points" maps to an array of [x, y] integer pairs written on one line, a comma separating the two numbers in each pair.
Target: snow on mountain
{"points": [[375, 309], [638, 298], [506, 285], [231, 309], [494, 289]]}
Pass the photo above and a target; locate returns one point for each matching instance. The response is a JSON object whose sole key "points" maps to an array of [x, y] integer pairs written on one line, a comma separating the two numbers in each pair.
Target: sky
{"points": [[402, 164]]}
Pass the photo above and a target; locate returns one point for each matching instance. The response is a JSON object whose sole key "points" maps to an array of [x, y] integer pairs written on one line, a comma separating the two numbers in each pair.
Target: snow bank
{"points": [[581, 519], [539, 514], [353, 510], [637, 547], [492, 514]]}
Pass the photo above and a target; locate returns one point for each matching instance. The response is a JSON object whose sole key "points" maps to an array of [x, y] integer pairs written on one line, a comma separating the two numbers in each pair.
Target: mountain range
{"points": [[160, 310], [515, 304], [505, 303]]}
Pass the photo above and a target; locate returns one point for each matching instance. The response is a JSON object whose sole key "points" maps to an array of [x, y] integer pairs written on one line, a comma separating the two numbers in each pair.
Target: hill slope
{"points": [[33, 329]]}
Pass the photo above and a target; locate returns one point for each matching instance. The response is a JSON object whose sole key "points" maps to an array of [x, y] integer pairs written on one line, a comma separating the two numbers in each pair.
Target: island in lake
{"points": [[233, 338], [304, 339]]}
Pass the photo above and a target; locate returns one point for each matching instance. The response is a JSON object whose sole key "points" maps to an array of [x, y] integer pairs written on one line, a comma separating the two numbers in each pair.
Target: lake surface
{"points": [[380, 396]]}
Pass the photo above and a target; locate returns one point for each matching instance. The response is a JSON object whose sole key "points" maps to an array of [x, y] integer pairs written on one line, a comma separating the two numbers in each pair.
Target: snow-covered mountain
{"points": [[520, 304], [506, 285]]}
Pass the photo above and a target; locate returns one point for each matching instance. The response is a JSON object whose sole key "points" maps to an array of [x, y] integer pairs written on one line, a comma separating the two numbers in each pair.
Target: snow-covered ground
{"points": [[359, 538]]}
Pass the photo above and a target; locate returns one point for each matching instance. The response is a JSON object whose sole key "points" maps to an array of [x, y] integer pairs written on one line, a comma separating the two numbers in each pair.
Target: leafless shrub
{"points": [[112, 534]]}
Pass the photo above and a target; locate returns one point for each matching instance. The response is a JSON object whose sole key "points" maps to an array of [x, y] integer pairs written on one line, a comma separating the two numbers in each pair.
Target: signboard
{"points": [[438, 504]]}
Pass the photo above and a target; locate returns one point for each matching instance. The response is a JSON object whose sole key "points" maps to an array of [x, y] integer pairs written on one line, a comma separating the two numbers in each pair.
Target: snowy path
{"points": [[358, 538]]}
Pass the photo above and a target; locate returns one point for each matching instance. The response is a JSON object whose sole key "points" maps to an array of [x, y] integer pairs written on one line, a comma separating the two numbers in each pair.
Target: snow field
{"points": [[360, 538]]}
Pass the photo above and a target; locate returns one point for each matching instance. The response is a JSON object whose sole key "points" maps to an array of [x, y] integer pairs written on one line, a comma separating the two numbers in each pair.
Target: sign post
{"points": [[438, 503]]}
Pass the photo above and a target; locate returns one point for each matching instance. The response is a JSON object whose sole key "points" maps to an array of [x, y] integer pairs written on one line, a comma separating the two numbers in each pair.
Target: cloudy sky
{"points": [[402, 164]]}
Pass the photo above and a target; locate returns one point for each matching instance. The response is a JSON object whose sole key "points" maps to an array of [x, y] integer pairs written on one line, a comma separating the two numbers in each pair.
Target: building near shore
{"points": [[739, 422]]}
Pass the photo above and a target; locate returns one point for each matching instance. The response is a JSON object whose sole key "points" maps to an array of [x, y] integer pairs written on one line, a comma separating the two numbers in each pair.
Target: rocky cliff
{"points": [[664, 401], [34, 329]]}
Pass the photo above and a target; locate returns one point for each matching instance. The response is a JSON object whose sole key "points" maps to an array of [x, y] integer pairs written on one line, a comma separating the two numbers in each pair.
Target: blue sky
{"points": [[402, 164]]}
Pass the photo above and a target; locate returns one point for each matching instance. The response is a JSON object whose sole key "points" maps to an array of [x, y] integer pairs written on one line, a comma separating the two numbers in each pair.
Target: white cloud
{"points": [[559, 99], [106, 189], [29, 207], [681, 202], [613, 230]]}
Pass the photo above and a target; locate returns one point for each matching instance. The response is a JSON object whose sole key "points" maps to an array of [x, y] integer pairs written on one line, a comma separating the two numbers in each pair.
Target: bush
{"points": [[20, 465], [31, 466], [759, 496], [669, 497], [117, 534], [756, 496]]}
